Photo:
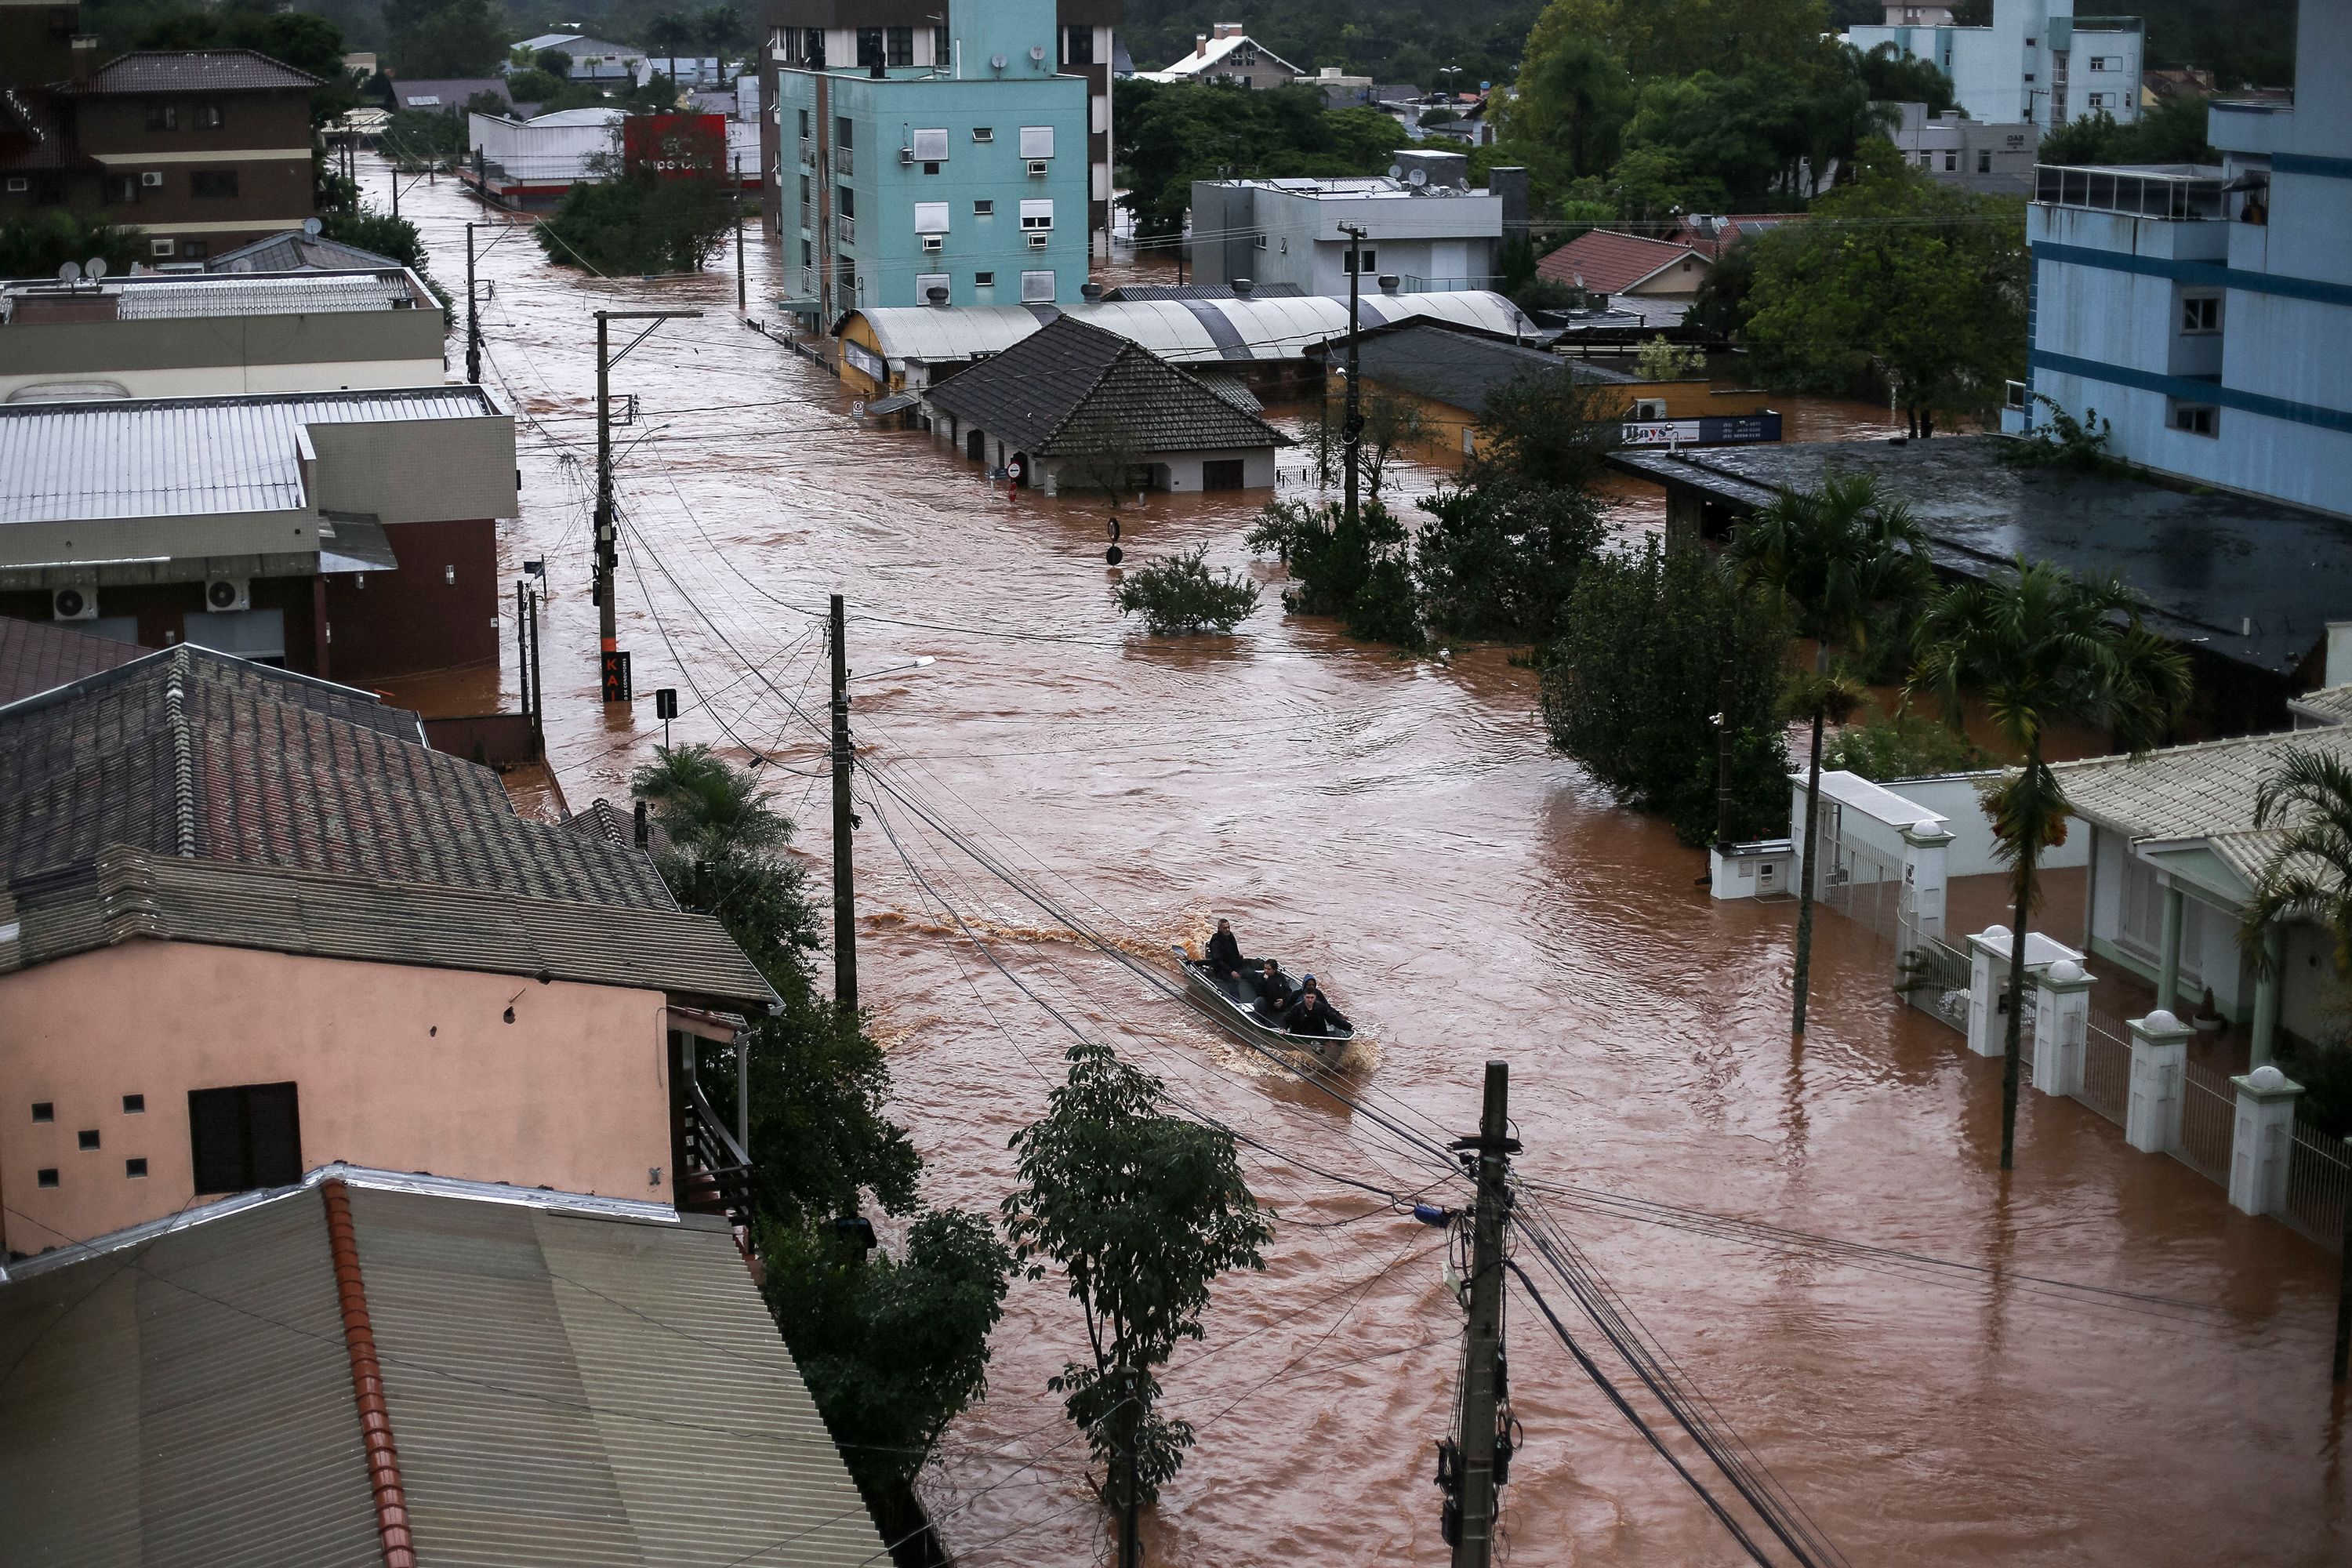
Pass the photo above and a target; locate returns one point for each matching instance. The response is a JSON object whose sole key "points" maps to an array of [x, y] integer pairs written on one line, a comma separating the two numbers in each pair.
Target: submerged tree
{"points": [[1500, 559], [2042, 648], [1143, 1209], [1836, 563], [1359, 571], [1179, 595]]}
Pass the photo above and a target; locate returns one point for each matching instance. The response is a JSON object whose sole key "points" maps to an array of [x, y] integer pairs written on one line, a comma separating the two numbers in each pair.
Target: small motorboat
{"points": [[1239, 1017]]}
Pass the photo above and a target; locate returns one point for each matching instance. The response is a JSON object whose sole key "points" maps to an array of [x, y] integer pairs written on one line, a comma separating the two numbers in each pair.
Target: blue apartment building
{"points": [[2205, 312], [932, 165]]}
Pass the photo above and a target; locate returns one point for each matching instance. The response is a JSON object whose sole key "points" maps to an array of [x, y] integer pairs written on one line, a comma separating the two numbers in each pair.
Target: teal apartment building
{"points": [[931, 164]]}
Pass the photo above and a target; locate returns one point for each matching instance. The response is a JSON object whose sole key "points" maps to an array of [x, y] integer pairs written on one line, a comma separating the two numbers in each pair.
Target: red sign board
{"points": [[675, 144]]}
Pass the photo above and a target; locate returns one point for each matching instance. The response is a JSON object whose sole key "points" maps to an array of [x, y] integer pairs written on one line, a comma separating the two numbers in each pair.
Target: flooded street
{"points": [[2095, 1360]]}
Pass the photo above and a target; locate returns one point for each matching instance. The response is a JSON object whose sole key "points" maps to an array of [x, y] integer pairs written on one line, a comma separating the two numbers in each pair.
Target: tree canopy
{"points": [[1172, 133]]}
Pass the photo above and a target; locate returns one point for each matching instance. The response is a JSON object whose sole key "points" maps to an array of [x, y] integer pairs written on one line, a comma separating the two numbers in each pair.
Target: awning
{"points": [[896, 402], [353, 542]]}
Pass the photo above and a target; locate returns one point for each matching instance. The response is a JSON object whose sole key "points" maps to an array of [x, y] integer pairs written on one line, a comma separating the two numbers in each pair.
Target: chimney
{"points": [[644, 828], [1227, 29], [85, 55], [1200, 44]]}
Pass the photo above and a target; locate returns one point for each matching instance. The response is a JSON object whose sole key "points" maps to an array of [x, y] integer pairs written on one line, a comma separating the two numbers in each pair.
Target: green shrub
{"points": [[1499, 559], [1179, 595], [639, 223], [37, 246], [1360, 572], [1902, 746]]}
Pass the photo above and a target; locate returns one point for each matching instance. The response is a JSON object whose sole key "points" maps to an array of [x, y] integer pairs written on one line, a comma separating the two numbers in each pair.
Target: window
{"points": [[1951, 159], [1372, 261], [808, 253], [813, 50], [1222, 474], [247, 1136], [898, 46], [1984, 160], [208, 116], [941, 49], [1037, 142], [1261, 242], [86, 1139], [45, 1177], [194, 249], [19, 183], [2196, 419], [931, 217], [44, 1111], [2098, 100], [1038, 213], [213, 184], [162, 117], [869, 48], [805, 122], [1927, 160], [134, 1104], [930, 146], [1078, 46], [159, 247], [134, 1168], [848, 198], [983, 134], [841, 131], [2103, 62], [1037, 288], [984, 280], [2200, 313], [122, 190], [984, 210]]}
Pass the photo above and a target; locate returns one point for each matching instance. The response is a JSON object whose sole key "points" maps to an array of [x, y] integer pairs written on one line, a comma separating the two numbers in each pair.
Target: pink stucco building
{"points": [[250, 924]]}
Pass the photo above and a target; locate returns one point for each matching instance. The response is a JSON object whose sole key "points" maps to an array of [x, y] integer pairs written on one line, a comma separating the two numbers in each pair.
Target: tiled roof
{"points": [[1610, 263], [193, 752], [298, 252], [36, 656], [129, 894], [1460, 369], [191, 70], [34, 135], [2189, 792], [183, 456], [563, 1380], [2328, 705], [1069, 386]]}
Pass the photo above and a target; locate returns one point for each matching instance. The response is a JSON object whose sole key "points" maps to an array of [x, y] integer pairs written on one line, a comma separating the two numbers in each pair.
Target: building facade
{"points": [[2032, 64], [2202, 310], [904, 35], [1973, 155], [1433, 234]]}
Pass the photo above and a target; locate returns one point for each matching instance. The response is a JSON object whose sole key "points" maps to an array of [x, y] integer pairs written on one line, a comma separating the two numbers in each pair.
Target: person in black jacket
{"points": [[1225, 959], [1273, 993], [1311, 1014]]}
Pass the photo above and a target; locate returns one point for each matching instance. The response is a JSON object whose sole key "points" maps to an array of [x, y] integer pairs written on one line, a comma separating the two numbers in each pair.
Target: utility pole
{"points": [[739, 235], [1353, 429], [1130, 1513], [473, 317], [2344, 1299], [845, 875], [538, 691], [608, 554], [1482, 1366]]}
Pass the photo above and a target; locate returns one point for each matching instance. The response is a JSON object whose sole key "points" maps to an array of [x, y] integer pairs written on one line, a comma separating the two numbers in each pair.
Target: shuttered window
{"points": [[930, 146], [1037, 142], [931, 217], [1036, 287], [243, 1136], [1037, 215]]}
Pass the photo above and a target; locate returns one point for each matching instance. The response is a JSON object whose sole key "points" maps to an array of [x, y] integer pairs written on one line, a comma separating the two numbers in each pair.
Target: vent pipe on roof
{"points": [[1090, 292], [936, 295], [1390, 282], [1243, 288]]}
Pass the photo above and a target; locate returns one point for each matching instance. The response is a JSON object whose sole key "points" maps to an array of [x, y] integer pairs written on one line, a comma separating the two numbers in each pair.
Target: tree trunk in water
{"points": [[1805, 878], [2012, 1046]]}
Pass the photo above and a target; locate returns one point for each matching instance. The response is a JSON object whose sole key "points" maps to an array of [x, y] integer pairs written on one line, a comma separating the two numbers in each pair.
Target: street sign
{"points": [[616, 678], [666, 702]]}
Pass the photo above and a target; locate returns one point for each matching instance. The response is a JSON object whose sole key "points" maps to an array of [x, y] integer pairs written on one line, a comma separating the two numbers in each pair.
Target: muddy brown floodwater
{"points": [[1399, 827]]}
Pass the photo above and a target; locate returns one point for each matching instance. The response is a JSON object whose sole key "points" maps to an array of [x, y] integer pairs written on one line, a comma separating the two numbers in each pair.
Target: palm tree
{"points": [[708, 807], [2309, 870], [2041, 649], [1836, 562]]}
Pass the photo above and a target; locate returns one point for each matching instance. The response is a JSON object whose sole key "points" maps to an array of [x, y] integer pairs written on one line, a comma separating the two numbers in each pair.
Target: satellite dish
{"points": [[1396, 170], [94, 268], [1036, 51], [311, 226], [70, 274], [996, 62], [1418, 177]]}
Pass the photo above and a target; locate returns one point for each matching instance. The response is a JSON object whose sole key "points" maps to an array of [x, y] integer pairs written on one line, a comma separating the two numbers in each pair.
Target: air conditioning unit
{"points": [[906, 157], [1038, 239], [74, 604], [935, 242], [1039, 168], [152, 179], [223, 594]]}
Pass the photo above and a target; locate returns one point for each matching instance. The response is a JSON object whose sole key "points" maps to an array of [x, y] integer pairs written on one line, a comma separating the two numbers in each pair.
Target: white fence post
{"points": [[2262, 1140], [1923, 848], [1988, 982], [2159, 1061], [2062, 1018]]}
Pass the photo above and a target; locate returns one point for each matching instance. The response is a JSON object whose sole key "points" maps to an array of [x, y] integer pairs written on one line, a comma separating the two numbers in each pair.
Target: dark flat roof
{"points": [[2249, 580]]}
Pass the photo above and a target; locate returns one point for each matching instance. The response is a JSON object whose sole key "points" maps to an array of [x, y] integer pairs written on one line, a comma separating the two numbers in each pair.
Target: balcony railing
{"points": [[808, 151], [1408, 284], [717, 1174], [2185, 195], [844, 162], [848, 230]]}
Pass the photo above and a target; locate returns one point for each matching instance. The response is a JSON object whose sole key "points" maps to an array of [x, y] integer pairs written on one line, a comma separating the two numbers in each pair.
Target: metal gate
{"points": [[2209, 1108], [1853, 880], [2106, 1071], [2318, 1185], [1933, 977]]}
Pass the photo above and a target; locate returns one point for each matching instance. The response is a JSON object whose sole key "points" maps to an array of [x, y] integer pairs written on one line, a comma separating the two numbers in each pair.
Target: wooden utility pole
{"points": [[2343, 1297], [473, 317], [1481, 1373], [1130, 1513], [736, 190], [612, 670], [1352, 428], [845, 875]]}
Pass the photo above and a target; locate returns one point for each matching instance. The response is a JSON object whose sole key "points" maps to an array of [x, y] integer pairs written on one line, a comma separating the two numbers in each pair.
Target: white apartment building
{"points": [[2206, 312], [2031, 64], [1424, 227], [1974, 154]]}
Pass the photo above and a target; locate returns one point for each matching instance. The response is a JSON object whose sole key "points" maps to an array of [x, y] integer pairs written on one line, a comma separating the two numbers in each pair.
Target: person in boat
{"points": [[1273, 993], [1226, 958], [1311, 1014]]}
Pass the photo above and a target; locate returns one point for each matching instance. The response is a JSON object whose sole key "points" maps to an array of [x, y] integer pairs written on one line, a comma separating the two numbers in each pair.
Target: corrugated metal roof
{"points": [[163, 457], [192, 70], [296, 252], [231, 294], [187, 1402], [561, 1389], [1178, 330]]}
